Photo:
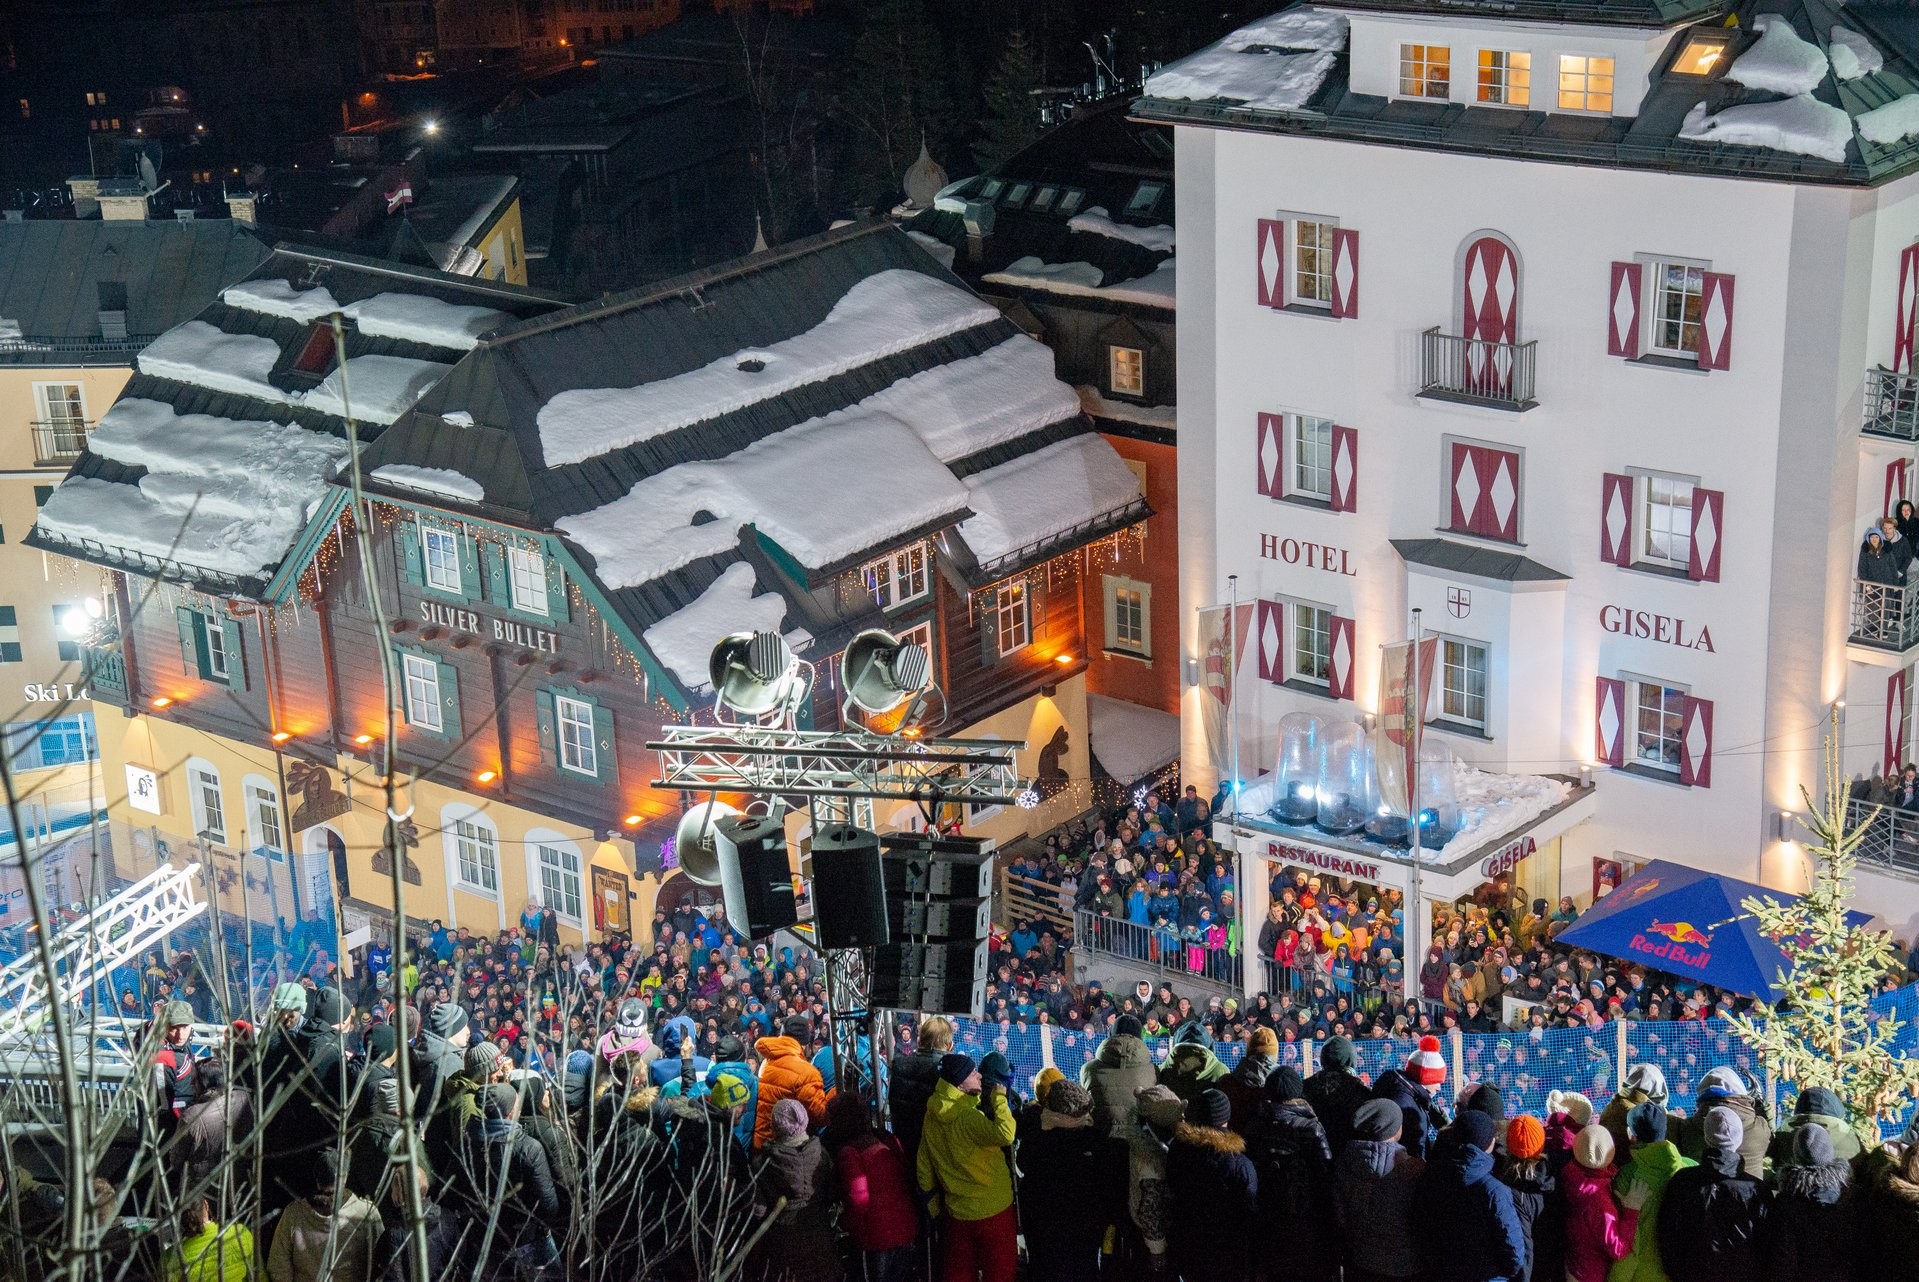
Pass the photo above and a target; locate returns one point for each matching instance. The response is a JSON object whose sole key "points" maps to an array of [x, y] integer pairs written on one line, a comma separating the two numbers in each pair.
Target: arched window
{"points": [[472, 849], [205, 801], [553, 872]]}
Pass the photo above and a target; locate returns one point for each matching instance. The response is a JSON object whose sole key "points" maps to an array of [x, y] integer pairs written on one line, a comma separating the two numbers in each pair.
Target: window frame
{"points": [[1118, 358], [1424, 63], [464, 826], [407, 706], [11, 650], [1445, 719], [219, 663], [428, 533], [1293, 424], [899, 578], [265, 817], [579, 756], [206, 801], [1653, 270], [1586, 77], [1145, 198], [1326, 230], [526, 585], [541, 840], [1635, 684], [44, 407], [1300, 613], [1020, 608], [1504, 71], [1139, 645], [1643, 557]]}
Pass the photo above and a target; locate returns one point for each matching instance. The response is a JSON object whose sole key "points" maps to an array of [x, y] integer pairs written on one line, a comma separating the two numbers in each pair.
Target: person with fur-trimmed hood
{"points": [[1567, 1114], [1643, 1083], [1724, 1088], [1115, 1076], [1192, 1067], [1335, 1091], [1412, 1089], [1215, 1194], [1815, 1213]]}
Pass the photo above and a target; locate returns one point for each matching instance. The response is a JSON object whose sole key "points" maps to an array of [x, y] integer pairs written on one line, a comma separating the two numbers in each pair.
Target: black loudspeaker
{"points": [[754, 873], [849, 890], [918, 917], [949, 978], [956, 866]]}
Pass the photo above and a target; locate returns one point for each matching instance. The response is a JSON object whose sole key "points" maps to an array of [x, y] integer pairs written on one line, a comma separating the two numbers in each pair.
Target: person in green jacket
{"points": [[962, 1169], [1192, 1067], [209, 1252], [1641, 1186]]}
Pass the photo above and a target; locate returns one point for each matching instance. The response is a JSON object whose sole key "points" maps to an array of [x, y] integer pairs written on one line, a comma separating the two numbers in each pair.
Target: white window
{"points": [[1659, 717], [1666, 519], [1311, 278], [263, 817], [1585, 83], [575, 719], [209, 814], [477, 851], [899, 578], [441, 551], [1678, 293], [1309, 457], [1126, 370], [1013, 619], [921, 635], [1505, 77], [1310, 655], [1129, 614], [1462, 682], [1425, 71], [217, 665], [422, 692], [526, 571], [558, 865], [63, 406]]}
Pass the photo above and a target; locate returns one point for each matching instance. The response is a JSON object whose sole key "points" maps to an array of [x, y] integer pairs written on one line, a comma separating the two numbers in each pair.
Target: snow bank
{"points": [[683, 641], [1853, 55], [1100, 406], [207, 356], [380, 388], [443, 481], [1249, 66], [458, 418], [982, 401], [1802, 125], [1781, 62], [948, 200], [1043, 494], [1491, 805], [279, 298], [1131, 741], [893, 311], [1158, 238], [1896, 120], [417, 318], [939, 249], [220, 494], [1158, 288]]}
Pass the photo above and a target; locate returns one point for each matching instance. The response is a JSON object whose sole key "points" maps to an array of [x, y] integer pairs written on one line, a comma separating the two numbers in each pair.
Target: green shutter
{"points": [[192, 648], [493, 563], [549, 727], [469, 567], [412, 562], [449, 700], [236, 653], [556, 608], [608, 771], [988, 610]]}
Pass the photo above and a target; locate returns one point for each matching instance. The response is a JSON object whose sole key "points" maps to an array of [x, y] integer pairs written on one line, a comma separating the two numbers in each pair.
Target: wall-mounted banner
{"points": [[1398, 729]]}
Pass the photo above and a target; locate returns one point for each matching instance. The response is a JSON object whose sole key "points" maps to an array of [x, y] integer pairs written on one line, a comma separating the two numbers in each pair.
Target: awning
{"points": [[1130, 741], [1691, 923]]}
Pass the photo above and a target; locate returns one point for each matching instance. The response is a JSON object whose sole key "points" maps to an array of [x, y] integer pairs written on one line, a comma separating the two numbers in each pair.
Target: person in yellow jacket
{"points": [[210, 1252], [963, 1168]]}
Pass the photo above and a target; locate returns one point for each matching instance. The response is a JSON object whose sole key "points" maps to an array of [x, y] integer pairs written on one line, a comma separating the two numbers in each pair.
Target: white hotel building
{"points": [[1489, 317]]}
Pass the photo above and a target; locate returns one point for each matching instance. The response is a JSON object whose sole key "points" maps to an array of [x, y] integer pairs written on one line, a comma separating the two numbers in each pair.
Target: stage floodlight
{"points": [[879, 671]]}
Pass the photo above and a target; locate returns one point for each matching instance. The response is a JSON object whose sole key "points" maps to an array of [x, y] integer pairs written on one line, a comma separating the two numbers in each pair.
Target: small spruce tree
{"points": [[1823, 1031], [1011, 121]]}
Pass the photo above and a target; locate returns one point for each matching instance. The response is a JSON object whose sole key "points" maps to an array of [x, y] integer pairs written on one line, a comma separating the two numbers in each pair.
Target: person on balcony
{"points": [[1877, 563], [1897, 544]]}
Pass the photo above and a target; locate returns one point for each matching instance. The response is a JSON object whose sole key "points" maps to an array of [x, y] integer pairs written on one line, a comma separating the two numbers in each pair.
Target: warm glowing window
{"points": [[1585, 84], [1128, 372], [1505, 77], [1312, 262], [1425, 71], [1700, 57]]}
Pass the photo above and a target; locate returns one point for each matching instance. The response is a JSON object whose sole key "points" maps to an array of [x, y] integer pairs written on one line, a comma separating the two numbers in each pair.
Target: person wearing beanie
{"points": [[1820, 1107], [1072, 1186], [1597, 1230], [1412, 1089], [1118, 1071], [307, 1082], [1713, 1219], [1816, 1216], [1214, 1191], [1335, 1092], [1245, 1084], [1524, 1170], [1641, 1187], [1043, 1082], [729, 1060], [1722, 1087], [1644, 1083], [1156, 1113], [877, 1208], [1374, 1183], [910, 1082], [382, 1053], [1294, 1165], [1567, 1114], [1464, 1217], [1192, 1067], [786, 1072], [962, 1169], [792, 1164]]}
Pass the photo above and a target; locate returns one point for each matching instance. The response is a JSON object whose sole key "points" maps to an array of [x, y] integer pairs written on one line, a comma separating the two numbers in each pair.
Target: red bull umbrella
{"points": [[1688, 922]]}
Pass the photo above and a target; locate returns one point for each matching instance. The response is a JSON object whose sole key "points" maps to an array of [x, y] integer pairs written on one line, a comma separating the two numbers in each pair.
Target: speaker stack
{"points": [[849, 899], [755, 876], [939, 906]]}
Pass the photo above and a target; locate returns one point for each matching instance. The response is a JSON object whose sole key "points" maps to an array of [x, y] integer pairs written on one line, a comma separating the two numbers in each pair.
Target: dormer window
{"points": [[1017, 197], [1585, 83], [1701, 55], [1044, 200], [1069, 200], [316, 353], [992, 189], [1505, 77], [1145, 197], [1425, 71]]}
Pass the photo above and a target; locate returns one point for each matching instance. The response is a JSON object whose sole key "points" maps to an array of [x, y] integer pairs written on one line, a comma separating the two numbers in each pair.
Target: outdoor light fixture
{"points": [[431, 127], [1063, 660], [633, 821], [486, 776], [1585, 776], [693, 839], [1782, 825], [162, 702], [879, 672], [79, 620], [362, 740], [281, 736], [755, 674]]}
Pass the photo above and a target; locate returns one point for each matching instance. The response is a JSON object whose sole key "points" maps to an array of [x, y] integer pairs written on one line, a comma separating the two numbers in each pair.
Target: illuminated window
{"points": [[1585, 84], [1678, 292], [1425, 71], [441, 549], [1127, 370], [896, 579], [1312, 648], [1312, 275], [1701, 55], [1659, 718], [1505, 77], [1309, 442], [1013, 619], [1129, 612]]}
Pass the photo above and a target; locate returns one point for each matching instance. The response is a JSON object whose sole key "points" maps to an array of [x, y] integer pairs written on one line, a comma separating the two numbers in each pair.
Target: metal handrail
{"points": [[59, 440], [1891, 404], [1885, 615], [33, 345], [1159, 950], [1477, 369], [1891, 843]]}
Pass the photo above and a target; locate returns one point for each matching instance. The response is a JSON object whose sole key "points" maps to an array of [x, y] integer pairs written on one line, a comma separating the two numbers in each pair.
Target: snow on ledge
{"points": [[941, 251], [1853, 55], [1158, 238], [886, 313], [1101, 406], [419, 318], [1780, 62], [1043, 494], [378, 389], [271, 297], [1158, 288], [1889, 124], [1802, 125], [1259, 65], [443, 481], [683, 641]]}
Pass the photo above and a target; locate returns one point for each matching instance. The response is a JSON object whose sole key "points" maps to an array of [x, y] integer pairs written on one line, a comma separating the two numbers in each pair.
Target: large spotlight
{"points": [[699, 855], [879, 672], [755, 673]]}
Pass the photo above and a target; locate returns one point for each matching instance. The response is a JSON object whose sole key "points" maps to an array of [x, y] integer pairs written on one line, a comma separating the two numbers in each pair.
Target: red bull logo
{"points": [[1680, 932], [1678, 935]]}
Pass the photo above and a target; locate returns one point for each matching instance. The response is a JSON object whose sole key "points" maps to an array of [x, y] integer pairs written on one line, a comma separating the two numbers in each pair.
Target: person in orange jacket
{"points": [[787, 1073]]}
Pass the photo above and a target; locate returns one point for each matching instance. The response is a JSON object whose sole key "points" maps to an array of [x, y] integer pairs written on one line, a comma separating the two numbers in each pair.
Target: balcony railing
{"points": [[1163, 951], [59, 441], [1891, 842], [1476, 371], [1885, 615], [1891, 404]]}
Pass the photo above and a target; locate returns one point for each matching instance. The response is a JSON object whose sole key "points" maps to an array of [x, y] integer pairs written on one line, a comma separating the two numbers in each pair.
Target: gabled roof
{"points": [[207, 468], [756, 429], [51, 272]]}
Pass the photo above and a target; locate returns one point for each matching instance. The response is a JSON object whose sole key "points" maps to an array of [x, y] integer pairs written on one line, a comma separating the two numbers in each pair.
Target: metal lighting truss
{"points": [[841, 773]]}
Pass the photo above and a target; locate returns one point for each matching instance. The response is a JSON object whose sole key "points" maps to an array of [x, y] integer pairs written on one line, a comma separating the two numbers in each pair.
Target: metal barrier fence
{"points": [[1164, 951]]}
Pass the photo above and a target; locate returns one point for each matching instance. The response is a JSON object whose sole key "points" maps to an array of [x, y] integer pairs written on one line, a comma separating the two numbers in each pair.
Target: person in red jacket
{"points": [[879, 1212], [786, 1073]]}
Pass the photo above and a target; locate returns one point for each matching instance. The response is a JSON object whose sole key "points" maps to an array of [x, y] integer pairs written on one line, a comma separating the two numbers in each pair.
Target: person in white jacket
{"points": [[329, 1235]]}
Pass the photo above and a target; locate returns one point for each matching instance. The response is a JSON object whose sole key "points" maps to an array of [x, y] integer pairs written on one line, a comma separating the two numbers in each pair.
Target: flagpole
{"points": [[1232, 681], [1415, 949]]}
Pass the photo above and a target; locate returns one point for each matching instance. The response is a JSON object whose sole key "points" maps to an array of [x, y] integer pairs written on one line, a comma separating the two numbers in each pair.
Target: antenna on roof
{"points": [[1101, 48]]}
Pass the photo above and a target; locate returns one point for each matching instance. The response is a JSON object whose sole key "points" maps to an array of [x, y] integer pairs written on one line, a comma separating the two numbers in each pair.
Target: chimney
{"points": [[241, 207], [86, 195], [978, 218], [113, 309], [122, 200]]}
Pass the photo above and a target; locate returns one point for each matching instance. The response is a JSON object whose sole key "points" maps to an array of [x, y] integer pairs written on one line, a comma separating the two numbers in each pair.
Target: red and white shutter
{"points": [[1896, 712], [1708, 534], [1269, 639], [1345, 468], [1622, 315], [1339, 659], [1345, 272], [1490, 315], [1485, 490], [1695, 743], [1615, 518], [1905, 322], [1715, 322], [1609, 723], [1270, 463], [1272, 262], [1896, 481]]}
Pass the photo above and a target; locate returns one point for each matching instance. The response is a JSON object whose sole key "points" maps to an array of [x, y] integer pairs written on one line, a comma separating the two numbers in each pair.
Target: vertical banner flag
{"points": [[1397, 731], [1222, 647]]}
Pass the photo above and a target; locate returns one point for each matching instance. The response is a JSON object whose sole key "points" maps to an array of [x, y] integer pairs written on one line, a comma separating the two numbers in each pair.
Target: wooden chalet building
{"points": [[564, 516]]}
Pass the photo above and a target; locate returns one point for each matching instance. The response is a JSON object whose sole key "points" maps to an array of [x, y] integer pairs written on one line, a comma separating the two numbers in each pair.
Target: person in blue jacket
{"points": [[678, 1053], [1466, 1223]]}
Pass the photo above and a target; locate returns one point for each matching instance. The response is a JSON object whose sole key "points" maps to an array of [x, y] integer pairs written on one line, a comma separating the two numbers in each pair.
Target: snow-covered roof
{"points": [[1157, 288], [1803, 125], [1025, 503], [1129, 740], [1275, 64], [683, 641]]}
